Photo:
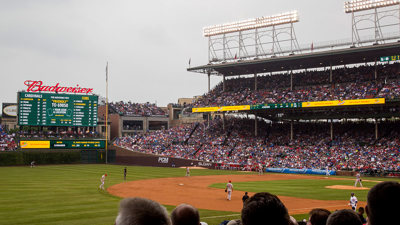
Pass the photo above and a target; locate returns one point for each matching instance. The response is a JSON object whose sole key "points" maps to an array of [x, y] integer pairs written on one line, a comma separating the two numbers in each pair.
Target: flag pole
{"points": [[106, 113]]}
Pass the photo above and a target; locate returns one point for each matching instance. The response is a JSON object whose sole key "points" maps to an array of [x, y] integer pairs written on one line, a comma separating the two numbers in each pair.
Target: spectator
{"points": [[136, 109], [293, 221], [344, 217], [383, 203], [141, 211], [361, 215], [348, 83], [185, 214], [353, 146], [234, 222], [245, 197], [265, 208], [318, 216]]}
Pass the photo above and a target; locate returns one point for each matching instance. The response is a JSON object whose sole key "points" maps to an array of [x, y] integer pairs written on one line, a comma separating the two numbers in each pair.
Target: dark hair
{"points": [[185, 214], [344, 217], [141, 211], [263, 208], [319, 216], [382, 203]]}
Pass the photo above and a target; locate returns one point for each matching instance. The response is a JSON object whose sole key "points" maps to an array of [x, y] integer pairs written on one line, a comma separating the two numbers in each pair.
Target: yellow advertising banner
{"points": [[222, 108], [34, 144], [370, 101]]}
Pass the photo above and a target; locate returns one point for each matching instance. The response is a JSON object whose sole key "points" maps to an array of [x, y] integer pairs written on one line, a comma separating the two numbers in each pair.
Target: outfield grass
{"points": [[68, 194]]}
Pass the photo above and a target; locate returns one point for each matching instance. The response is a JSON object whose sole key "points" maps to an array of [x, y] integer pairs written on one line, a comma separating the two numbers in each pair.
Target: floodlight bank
{"points": [[360, 5], [250, 24]]}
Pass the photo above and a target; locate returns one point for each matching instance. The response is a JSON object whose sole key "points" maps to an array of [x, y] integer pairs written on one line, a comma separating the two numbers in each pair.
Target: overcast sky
{"points": [[147, 43]]}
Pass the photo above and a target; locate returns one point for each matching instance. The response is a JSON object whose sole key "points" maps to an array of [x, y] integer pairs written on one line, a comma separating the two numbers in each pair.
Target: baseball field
{"points": [[69, 194]]}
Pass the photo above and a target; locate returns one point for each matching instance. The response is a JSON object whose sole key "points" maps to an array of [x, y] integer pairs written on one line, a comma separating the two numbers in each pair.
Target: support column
{"points": [[330, 74], [255, 81], [223, 121], [376, 129], [291, 80], [209, 75], [376, 72], [223, 83], [291, 130], [331, 129], [255, 124]]}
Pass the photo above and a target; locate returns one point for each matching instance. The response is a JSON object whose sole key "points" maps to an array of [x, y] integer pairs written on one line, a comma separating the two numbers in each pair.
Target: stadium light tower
{"points": [[249, 38], [361, 19]]}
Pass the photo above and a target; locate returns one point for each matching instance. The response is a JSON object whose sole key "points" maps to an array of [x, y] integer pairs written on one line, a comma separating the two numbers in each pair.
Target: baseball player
{"points": [[260, 169], [229, 189], [102, 180], [125, 172], [358, 180], [353, 201], [187, 172], [327, 171]]}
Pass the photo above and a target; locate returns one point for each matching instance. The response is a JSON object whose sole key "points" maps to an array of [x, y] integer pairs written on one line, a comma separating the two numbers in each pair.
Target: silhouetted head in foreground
{"points": [[185, 214], [344, 217], [265, 208], [383, 203], [141, 211]]}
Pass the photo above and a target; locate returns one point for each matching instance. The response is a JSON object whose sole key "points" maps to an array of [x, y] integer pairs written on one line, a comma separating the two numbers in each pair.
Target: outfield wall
{"points": [[127, 157], [301, 171], [59, 156]]}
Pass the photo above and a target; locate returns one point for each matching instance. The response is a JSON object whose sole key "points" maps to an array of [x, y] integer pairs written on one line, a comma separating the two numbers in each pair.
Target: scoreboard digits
{"points": [[47, 109]]}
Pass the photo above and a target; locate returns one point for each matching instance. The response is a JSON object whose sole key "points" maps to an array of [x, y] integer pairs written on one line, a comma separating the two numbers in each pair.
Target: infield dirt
{"points": [[196, 191]]}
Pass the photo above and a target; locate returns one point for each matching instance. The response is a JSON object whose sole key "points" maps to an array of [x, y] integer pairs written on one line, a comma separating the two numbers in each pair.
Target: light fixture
{"points": [[360, 5], [250, 24]]}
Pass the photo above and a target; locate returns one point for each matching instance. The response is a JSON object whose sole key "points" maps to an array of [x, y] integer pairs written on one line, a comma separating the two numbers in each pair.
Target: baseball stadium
{"points": [[317, 126]]}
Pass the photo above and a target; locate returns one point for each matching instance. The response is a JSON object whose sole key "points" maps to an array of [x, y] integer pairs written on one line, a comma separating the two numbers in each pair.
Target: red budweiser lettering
{"points": [[37, 86]]}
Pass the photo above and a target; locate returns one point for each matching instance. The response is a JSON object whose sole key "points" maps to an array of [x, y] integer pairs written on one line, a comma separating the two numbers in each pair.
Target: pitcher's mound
{"points": [[346, 187]]}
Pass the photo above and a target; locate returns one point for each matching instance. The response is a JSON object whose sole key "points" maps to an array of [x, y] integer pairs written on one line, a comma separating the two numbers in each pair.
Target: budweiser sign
{"points": [[37, 86]]}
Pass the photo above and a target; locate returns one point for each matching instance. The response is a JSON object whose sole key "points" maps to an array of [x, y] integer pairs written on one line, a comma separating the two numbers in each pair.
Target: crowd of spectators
{"points": [[137, 109], [7, 141], [347, 83], [61, 134], [353, 146]]}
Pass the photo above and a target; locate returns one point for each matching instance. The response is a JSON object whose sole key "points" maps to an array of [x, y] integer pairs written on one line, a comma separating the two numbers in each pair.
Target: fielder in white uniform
{"points": [[358, 180], [260, 169], [187, 172], [353, 201], [102, 180], [229, 189]]}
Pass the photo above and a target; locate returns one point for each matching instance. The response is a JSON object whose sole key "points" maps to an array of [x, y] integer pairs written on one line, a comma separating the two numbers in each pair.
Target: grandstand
{"points": [[335, 107], [128, 118]]}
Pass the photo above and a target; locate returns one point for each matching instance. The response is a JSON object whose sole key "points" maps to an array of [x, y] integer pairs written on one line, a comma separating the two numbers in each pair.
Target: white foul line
{"points": [[209, 217]]}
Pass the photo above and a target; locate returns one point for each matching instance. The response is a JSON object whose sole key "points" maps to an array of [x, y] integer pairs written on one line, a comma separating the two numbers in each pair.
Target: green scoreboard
{"points": [[48, 109], [77, 144], [277, 105]]}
